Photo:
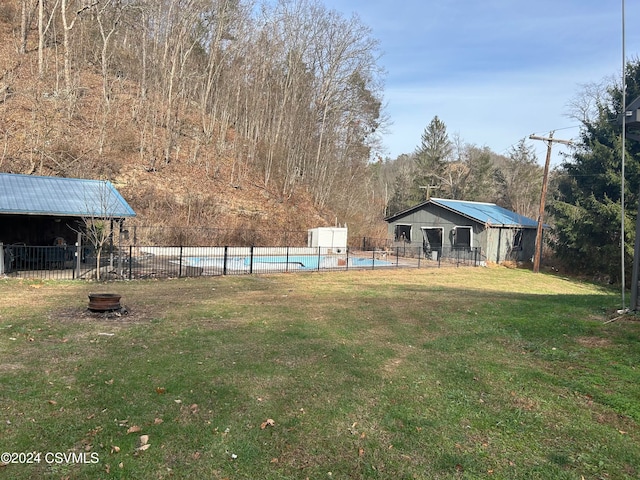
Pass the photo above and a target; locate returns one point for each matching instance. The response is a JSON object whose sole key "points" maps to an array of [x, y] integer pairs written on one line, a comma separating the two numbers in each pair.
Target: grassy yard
{"points": [[427, 374]]}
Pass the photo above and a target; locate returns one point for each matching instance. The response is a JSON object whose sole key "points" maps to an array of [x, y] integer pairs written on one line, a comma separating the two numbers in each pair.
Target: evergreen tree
{"points": [[586, 207], [431, 158], [435, 148]]}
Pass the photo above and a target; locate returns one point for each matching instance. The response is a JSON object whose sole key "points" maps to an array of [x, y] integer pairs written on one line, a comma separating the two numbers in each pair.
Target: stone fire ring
{"points": [[104, 302]]}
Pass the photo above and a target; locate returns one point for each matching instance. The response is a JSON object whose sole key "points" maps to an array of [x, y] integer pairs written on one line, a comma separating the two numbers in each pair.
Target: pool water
{"points": [[282, 262]]}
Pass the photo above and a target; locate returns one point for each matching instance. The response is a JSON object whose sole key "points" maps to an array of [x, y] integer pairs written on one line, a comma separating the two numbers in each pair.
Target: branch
{"points": [[83, 9], [87, 7]]}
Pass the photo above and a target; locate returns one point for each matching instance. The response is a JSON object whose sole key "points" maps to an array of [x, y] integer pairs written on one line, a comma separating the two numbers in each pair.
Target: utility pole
{"points": [[428, 189], [543, 195]]}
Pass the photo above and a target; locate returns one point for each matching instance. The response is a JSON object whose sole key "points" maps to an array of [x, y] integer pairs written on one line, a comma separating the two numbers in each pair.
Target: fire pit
{"points": [[104, 302]]}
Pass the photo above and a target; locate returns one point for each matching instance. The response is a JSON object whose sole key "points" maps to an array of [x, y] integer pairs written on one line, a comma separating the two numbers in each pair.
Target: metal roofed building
{"points": [[440, 225], [37, 210]]}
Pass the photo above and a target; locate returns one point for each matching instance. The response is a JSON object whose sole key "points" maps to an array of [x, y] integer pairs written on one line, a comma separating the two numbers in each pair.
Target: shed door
{"points": [[432, 239]]}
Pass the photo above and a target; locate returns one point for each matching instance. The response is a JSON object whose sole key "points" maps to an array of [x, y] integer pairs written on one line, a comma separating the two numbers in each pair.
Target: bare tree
{"points": [[586, 105], [98, 223], [519, 179], [24, 25], [67, 27], [43, 28], [288, 89]]}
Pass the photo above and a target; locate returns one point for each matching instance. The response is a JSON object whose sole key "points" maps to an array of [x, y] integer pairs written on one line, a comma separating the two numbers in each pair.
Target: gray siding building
{"points": [[441, 227]]}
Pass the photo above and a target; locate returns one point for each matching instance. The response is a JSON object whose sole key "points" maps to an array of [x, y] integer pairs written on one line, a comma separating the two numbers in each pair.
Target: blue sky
{"points": [[495, 71]]}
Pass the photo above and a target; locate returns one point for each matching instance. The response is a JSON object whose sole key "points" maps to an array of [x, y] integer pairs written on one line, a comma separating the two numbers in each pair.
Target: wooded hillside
{"points": [[203, 113]]}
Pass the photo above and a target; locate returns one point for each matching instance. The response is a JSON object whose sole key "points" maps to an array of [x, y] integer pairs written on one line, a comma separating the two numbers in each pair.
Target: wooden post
{"points": [[543, 197]]}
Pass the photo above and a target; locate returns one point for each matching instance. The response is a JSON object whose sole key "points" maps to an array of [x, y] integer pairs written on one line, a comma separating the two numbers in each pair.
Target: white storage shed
{"points": [[333, 238]]}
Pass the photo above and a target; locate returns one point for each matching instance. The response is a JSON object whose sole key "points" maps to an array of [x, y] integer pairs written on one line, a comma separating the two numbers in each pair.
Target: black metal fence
{"points": [[139, 262]]}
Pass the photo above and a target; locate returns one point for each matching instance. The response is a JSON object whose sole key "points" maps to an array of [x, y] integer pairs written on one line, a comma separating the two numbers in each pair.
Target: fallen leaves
{"points": [[144, 443], [133, 429], [269, 422]]}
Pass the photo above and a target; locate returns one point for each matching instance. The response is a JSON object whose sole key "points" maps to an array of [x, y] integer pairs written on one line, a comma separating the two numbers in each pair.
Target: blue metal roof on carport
{"points": [[76, 197]]}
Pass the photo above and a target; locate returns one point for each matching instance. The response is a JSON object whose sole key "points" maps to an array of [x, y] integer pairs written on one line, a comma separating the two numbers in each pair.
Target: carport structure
{"points": [[51, 211]]}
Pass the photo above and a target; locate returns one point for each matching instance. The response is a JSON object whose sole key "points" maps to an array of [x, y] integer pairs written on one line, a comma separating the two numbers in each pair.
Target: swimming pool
{"points": [[283, 262]]}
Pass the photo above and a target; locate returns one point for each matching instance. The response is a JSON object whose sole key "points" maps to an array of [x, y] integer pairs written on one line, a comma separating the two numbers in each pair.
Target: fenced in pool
{"points": [[196, 261], [139, 262]]}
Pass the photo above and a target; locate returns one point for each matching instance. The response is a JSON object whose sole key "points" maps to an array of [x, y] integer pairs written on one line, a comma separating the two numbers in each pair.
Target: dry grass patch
{"points": [[594, 342]]}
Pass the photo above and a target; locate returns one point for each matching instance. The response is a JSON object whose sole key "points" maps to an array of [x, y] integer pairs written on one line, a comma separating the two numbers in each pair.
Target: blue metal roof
{"points": [[76, 197], [487, 213]]}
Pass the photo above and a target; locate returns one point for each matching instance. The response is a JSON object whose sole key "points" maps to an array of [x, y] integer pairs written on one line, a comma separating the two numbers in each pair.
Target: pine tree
{"points": [[586, 208]]}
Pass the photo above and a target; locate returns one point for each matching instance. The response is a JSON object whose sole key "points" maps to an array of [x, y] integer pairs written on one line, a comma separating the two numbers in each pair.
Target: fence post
{"points": [[251, 260], [180, 263], [397, 261], [286, 268], [120, 269], [420, 252], [346, 266], [78, 254], [224, 261], [318, 258], [130, 261], [373, 258], [1, 259]]}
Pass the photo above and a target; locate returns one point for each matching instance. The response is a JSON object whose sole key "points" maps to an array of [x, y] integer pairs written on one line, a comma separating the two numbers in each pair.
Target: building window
{"points": [[517, 240], [403, 233], [462, 237]]}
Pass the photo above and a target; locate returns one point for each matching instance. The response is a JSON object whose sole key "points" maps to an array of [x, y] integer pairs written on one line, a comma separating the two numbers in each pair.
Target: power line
{"points": [[563, 128]]}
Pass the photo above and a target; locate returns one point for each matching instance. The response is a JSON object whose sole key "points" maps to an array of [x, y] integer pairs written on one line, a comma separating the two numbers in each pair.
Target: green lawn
{"points": [[428, 374]]}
